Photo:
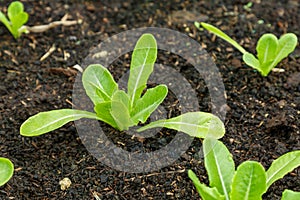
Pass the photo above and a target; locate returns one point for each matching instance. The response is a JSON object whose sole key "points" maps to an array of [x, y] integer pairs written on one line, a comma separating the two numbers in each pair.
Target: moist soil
{"points": [[262, 120]]}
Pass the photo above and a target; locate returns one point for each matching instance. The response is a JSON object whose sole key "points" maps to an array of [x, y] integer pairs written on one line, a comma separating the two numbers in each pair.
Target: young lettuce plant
{"points": [[122, 110], [270, 50], [6, 170], [17, 18], [249, 182]]}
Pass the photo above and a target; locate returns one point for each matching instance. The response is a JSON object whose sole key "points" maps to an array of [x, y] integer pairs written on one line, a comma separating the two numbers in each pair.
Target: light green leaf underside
{"points": [[98, 83], [219, 165], [142, 62], [148, 103], [45, 122], [222, 35], [6, 170], [195, 124], [249, 182], [282, 165], [205, 192], [290, 195]]}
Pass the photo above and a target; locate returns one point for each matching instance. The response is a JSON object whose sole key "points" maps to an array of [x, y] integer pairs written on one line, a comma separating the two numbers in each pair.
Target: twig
{"points": [[43, 28], [48, 53]]}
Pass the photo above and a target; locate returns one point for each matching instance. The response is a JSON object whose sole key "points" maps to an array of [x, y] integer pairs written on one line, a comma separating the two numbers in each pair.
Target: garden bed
{"points": [[262, 120]]}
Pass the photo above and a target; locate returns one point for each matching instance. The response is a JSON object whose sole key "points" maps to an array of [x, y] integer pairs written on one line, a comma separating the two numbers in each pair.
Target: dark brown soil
{"points": [[262, 121]]}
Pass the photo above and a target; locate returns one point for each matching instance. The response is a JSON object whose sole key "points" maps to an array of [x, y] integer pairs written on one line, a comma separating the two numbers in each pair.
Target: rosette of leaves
{"points": [[121, 109], [16, 19], [270, 50], [248, 182]]}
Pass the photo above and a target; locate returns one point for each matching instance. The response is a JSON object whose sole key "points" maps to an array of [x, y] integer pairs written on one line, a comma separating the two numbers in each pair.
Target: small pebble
{"points": [[65, 183]]}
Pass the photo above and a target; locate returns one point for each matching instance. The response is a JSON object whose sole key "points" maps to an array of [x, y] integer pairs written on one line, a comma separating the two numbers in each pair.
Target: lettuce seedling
{"points": [[17, 18], [121, 109], [249, 182], [270, 50], [290, 195], [6, 170]]}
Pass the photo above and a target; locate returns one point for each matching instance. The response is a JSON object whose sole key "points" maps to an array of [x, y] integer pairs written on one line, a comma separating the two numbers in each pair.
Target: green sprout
{"points": [[249, 181], [16, 19], [270, 50], [248, 6], [6, 170], [121, 109]]}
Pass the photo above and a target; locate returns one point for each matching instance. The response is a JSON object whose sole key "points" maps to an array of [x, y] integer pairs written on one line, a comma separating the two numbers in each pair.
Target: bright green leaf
{"points": [[290, 195], [45, 122], [98, 83], [148, 103], [142, 62], [219, 165], [103, 113], [14, 9], [283, 165], [249, 182], [205, 192], [5, 21], [122, 97], [222, 35], [17, 18], [195, 124], [18, 21], [6, 170], [286, 45], [251, 61], [120, 110], [266, 48]]}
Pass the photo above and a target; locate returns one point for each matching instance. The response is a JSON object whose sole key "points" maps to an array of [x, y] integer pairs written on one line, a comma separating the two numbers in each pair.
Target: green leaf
{"points": [[148, 103], [103, 113], [45, 122], [219, 165], [283, 165], [17, 17], [271, 51], [5, 21], [290, 195], [122, 97], [98, 83], [222, 35], [14, 9], [205, 192], [142, 62], [286, 45], [251, 61], [249, 182], [6, 170], [266, 48], [18, 21], [195, 124], [120, 110]]}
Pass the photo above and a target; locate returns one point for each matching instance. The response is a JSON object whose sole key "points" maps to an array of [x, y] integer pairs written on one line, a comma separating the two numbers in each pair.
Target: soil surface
{"points": [[262, 120]]}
